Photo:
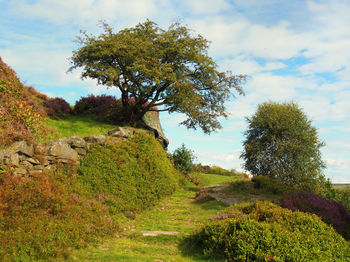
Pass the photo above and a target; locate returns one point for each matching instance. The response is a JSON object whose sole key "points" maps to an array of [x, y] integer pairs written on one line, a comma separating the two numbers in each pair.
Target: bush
{"points": [[105, 107], [269, 184], [183, 159], [44, 216], [57, 107], [281, 143], [134, 174], [331, 212], [262, 231]]}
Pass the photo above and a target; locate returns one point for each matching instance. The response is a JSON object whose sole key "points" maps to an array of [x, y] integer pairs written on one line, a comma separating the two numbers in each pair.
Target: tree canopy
{"points": [[281, 143], [162, 70]]}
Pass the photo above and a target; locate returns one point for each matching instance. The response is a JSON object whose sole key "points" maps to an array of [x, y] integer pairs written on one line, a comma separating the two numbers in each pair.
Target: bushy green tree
{"points": [[281, 143], [159, 70], [183, 159]]}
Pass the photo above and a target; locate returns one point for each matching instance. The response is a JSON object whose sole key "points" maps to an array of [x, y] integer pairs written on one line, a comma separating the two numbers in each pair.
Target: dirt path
{"points": [[215, 192]]}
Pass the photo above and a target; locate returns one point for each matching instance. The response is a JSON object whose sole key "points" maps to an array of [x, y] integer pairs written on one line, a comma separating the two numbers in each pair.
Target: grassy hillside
{"points": [[74, 125], [45, 216]]}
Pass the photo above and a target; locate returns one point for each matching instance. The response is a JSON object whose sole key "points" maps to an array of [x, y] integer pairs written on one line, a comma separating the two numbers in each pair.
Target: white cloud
{"points": [[207, 6], [86, 11]]}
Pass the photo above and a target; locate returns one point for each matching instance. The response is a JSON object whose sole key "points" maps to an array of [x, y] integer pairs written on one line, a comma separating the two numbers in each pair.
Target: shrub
{"points": [[331, 212], [134, 174], [183, 159], [44, 216], [105, 107], [268, 184], [57, 107], [262, 231]]}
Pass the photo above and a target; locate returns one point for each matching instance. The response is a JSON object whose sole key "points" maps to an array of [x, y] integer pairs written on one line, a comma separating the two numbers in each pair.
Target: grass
{"points": [[341, 186], [246, 191], [74, 125], [211, 179], [180, 212]]}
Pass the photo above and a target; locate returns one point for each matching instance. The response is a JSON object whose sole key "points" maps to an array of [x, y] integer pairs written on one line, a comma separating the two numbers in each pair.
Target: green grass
{"points": [[180, 212], [73, 125], [211, 179], [341, 186]]}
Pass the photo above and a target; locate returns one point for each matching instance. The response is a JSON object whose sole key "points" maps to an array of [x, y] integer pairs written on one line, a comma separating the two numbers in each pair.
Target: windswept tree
{"points": [[281, 143], [159, 70]]}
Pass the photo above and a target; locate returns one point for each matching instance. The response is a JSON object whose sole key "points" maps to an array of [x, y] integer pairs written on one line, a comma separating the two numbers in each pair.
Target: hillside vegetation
{"points": [[100, 209], [21, 112]]}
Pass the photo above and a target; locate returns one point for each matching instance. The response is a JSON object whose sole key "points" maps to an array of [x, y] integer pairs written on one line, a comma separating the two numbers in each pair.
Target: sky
{"points": [[290, 50]]}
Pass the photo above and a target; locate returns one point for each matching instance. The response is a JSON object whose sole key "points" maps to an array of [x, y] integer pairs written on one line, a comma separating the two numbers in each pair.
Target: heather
{"points": [[20, 110], [46, 215], [105, 107], [331, 212], [262, 231], [57, 107]]}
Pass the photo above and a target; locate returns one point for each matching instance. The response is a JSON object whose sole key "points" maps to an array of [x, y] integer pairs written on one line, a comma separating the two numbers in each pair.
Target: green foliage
{"points": [[131, 176], [183, 159], [281, 143], [343, 196], [155, 67], [269, 184], [262, 231], [46, 215]]}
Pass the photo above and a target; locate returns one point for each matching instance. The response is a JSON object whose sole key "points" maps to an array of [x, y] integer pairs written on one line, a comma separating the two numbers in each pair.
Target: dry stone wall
{"points": [[25, 158]]}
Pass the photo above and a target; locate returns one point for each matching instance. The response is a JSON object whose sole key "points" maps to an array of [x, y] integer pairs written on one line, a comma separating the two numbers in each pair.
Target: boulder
{"points": [[74, 141], [32, 161], [151, 120], [80, 151], [95, 139], [62, 151], [22, 147], [122, 132], [14, 160]]}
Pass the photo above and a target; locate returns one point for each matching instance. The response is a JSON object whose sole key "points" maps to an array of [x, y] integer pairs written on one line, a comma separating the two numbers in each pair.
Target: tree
{"points": [[183, 159], [281, 143], [158, 70]]}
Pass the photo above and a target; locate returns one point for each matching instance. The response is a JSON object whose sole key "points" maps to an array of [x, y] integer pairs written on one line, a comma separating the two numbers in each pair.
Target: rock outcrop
{"points": [[151, 121]]}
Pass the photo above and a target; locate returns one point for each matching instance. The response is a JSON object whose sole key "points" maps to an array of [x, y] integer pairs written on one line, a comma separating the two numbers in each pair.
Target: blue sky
{"points": [[291, 50]]}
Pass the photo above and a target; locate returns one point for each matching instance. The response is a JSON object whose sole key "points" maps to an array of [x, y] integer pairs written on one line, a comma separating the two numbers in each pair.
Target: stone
{"points": [[33, 161], [41, 149], [74, 141], [14, 160], [62, 150], [80, 151], [96, 139], [20, 171], [39, 167], [22, 147], [35, 172], [151, 120], [27, 165], [122, 132]]}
